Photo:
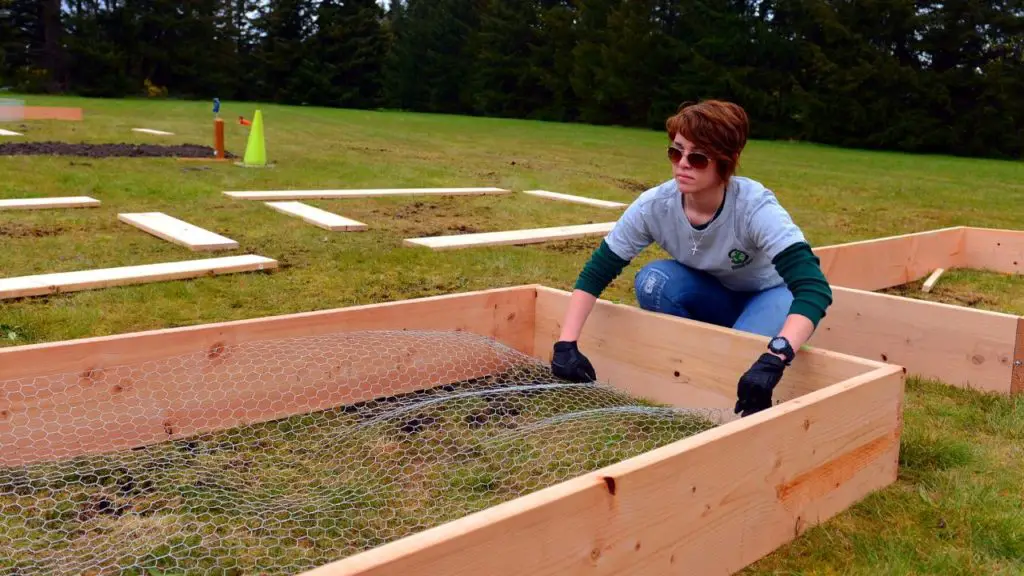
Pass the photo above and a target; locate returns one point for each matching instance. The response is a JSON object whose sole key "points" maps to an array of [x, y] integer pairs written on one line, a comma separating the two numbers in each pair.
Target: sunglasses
{"points": [[695, 159]]}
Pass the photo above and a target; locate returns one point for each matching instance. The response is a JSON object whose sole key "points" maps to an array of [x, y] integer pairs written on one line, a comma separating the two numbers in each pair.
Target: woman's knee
{"points": [[661, 285]]}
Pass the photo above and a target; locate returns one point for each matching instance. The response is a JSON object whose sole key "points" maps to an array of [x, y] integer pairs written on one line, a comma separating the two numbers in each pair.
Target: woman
{"points": [[738, 260]]}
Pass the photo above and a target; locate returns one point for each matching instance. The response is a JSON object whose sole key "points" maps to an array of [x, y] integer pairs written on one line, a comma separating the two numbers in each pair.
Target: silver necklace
{"points": [[696, 242]]}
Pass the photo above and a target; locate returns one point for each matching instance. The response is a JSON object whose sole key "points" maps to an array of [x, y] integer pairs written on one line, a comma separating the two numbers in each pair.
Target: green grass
{"points": [[956, 508]]}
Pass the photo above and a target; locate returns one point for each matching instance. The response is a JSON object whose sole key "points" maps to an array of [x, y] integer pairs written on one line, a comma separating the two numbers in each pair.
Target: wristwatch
{"points": [[780, 345]]}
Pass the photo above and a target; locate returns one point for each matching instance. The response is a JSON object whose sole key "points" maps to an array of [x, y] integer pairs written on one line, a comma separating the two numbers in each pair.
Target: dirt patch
{"points": [[571, 246], [633, 185], [112, 150], [16, 230]]}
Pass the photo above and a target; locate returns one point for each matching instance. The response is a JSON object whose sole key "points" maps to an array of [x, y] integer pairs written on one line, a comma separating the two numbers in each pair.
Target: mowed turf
{"points": [[958, 507]]}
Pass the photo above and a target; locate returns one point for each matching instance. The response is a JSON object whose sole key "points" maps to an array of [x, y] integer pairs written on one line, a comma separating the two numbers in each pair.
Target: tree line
{"points": [[931, 76]]}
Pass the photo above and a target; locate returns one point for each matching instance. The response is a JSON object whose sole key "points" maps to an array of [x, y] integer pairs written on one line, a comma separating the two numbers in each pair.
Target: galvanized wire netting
{"points": [[280, 456]]}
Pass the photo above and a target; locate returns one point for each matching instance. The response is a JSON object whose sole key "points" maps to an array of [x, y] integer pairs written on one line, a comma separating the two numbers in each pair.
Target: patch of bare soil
{"points": [[112, 150], [17, 230]]}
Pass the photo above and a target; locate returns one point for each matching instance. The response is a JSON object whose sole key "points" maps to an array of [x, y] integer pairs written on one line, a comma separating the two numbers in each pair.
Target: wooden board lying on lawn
{"points": [[961, 346], [576, 199], [51, 113], [746, 486], [178, 231], [361, 193], [317, 217], [152, 131], [60, 282], [511, 237], [9, 133], [44, 203]]}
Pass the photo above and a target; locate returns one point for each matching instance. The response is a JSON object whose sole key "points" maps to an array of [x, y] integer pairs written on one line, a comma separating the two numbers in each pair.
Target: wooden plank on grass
{"points": [[361, 193], [177, 231], [573, 198], [152, 131], [511, 237], [51, 113], [317, 217], [43, 203], [9, 133], [38, 285]]}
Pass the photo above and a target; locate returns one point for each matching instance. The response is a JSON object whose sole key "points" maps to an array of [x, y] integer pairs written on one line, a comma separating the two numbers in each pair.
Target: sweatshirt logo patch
{"points": [[738, 258]]}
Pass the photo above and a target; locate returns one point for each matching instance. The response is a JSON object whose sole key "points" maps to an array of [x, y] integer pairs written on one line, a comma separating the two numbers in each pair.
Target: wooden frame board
{"points": [[317, 217], [44, 203], [4, 132], [51, 113], [511, 237], [961, 346], [61, 282], [575, 199], [362, 193], [177, 231], [747, 486]]}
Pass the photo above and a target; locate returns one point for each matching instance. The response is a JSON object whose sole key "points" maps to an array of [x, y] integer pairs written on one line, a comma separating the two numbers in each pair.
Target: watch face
{"points": [[778, 344]]}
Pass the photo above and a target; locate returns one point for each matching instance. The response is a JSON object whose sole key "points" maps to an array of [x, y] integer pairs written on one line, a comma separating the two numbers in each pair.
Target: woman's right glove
{"points": [[570, 364]]}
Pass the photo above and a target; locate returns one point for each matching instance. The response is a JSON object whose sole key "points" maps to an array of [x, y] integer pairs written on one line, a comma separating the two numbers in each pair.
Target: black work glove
{"points": [[570, 364], [754, 391]]}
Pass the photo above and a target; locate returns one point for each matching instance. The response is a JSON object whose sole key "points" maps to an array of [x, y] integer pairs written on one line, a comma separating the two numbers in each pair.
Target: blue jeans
{"points": [[669, 287]]}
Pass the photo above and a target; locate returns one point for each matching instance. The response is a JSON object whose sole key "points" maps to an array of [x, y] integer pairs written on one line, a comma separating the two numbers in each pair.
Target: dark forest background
{"points": [[911, 75]]}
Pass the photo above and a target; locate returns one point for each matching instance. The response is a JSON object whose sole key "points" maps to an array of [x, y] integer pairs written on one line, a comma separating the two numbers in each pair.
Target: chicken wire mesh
{"points": [[275, 457]]}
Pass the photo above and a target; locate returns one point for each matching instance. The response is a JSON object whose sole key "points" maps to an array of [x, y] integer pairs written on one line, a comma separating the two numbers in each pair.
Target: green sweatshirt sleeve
{"points": [[800, 269], [603, 266]]}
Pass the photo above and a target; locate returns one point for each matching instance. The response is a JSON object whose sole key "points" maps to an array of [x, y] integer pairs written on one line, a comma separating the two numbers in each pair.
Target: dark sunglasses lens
{"points": [[675, 154], [698, 161]]}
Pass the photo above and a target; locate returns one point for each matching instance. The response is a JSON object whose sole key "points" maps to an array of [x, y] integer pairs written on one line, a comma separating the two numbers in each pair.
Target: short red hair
{"points": [[718, 128]]}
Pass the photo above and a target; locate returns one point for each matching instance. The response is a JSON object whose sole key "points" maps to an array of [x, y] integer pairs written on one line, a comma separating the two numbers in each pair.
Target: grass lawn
{"points": [[958, 507]]}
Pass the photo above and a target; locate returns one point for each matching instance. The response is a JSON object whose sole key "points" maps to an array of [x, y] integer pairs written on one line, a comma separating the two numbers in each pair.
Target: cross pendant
{"points": [[694, 249]]}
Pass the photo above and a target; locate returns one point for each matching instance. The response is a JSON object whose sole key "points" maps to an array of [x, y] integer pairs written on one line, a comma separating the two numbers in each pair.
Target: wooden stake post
{"points": [[709, 504]]}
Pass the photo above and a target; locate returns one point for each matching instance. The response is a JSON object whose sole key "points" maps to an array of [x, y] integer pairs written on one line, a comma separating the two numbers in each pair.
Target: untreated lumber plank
{"points": [[177, 231], [167, 384], [61, 282], [51, 113], [575, 199], [710, 504], [44, 203], [362, 193], [930, 282], [995, 250], [153, 131], [644, 353], [317, 217], [886, 262], [511, 237], [961, 346], [9, 133]]}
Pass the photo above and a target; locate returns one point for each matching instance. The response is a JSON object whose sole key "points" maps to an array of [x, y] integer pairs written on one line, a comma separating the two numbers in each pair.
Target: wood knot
{"points": [[977, 359], [595, 554], [885, 358], [637, 547], [676, 373], [807, 424], [610, 483], [168, 428], [4, 414], [216, 351]]}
